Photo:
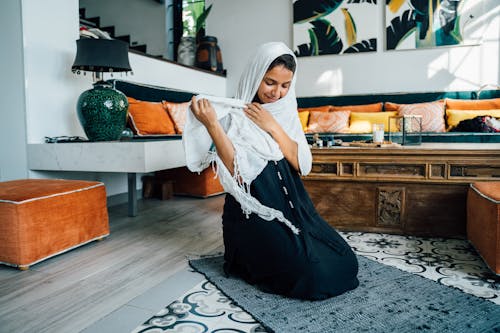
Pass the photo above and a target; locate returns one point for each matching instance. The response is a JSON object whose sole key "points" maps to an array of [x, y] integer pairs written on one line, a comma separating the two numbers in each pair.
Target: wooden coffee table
{"points": [[415, 190]]}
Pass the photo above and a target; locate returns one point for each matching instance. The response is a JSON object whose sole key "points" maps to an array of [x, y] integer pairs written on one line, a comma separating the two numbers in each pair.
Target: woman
{"points": [[273, 236]]}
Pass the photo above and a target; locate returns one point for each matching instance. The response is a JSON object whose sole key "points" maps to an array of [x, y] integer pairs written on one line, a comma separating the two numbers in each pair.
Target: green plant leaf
{"points": [[200, 21]]}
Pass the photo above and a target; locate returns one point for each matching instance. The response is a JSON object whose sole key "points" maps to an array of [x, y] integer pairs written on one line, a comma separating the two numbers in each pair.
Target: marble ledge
{"points": [[138, 157]]}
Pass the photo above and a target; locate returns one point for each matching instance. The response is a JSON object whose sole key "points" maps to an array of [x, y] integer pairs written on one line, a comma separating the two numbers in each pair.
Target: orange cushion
{"points": [[375, 107], [490, 190], [483, 221], [432, 114], [177, 111], [389, 106], [328, 122], [44, 217], [149, 118], [323, 108], [472, 104]]}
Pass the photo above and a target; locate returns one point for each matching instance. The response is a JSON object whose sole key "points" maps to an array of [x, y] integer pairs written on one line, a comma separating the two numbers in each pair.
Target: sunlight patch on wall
{"points": [[331, 81], [436, 66]]}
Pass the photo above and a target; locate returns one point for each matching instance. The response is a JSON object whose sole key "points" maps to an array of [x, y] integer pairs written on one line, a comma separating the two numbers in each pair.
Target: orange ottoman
{"points": [[40, 218], [190, 183], [483, 221]]}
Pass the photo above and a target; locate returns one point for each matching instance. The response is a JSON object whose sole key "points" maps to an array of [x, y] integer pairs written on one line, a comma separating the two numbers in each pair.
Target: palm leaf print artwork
{"points": [[324, 40], [364, 46], [394, 5], [431, 23], [401, 27], [321, 27], [306, 10], [361, 1], [350, 27]]}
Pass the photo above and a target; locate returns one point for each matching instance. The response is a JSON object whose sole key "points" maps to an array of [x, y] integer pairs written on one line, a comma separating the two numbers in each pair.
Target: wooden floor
{"points": [[71, 291]]}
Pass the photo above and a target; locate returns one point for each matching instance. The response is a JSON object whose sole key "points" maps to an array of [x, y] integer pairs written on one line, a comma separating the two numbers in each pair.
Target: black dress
{"points": [[315, 264]]}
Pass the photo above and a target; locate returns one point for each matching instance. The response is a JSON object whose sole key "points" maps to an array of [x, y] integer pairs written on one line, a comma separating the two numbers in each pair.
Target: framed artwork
{"points": [[414, 24], [334, 26]]}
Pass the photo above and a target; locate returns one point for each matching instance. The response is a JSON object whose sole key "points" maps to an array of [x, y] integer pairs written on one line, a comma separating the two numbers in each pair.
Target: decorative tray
{"points": [[369, 144]]}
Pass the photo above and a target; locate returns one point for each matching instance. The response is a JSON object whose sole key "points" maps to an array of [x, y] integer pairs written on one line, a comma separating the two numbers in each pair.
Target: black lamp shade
{"points": [[101, 55]]}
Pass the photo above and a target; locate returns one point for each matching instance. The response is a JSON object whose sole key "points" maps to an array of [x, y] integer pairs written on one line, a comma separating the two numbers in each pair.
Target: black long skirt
{"points": [[315, 264]]}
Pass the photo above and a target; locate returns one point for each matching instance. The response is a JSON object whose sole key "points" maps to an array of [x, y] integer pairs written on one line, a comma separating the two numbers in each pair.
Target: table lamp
{"points": [[102, 110]]}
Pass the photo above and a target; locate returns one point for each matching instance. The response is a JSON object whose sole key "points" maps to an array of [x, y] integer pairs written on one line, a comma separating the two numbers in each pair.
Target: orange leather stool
{"points": [[40, 218], [483, 221], [190, 183]]}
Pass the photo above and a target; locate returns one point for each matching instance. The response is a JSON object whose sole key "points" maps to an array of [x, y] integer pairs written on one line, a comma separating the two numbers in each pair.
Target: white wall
{"points": [[51, 88], [13, 158], [241, 25], [143, 20], [45, 91]]}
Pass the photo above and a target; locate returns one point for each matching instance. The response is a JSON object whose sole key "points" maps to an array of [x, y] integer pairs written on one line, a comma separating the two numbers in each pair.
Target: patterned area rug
{"points": [[447, 261]]}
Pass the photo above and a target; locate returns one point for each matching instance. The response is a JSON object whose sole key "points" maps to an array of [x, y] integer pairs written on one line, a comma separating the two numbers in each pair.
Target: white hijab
{"points": [[254, 148]]}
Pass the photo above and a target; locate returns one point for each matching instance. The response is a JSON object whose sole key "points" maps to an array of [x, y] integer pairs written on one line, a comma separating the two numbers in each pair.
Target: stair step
{"points": [[110, 30], [140, 48], [87, 23], [125, 38], [96, 20]]}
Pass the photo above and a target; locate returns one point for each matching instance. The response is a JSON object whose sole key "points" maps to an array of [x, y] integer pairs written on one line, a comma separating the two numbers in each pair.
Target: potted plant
{"points": [[208, 54], [186, 51]]}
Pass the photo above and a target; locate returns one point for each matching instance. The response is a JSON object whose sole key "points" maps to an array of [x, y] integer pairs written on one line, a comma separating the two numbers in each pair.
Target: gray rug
{"points": [[387, 300]]}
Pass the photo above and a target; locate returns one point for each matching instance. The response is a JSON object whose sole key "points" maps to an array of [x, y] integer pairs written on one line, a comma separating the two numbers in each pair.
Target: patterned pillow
{"points": [[432, 114], [149, 118], [177, 112], [328, 122], [375, 107]]}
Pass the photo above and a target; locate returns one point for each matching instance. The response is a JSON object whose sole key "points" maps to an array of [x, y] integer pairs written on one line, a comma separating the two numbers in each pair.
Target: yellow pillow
{"points": [[304, 118], [361, 122], [453, 117]]}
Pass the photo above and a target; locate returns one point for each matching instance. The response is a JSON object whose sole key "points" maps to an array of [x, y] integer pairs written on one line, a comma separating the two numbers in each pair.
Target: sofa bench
{"points": [[358, 101]]}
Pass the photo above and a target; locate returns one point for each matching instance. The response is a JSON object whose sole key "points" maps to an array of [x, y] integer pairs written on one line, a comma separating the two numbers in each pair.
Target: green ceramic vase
{"points": [[102, 112]]}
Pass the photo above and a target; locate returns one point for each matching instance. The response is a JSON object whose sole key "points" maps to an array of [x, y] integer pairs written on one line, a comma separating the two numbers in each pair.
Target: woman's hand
{"points": [[261, 117], [204, 112], [266, 121]]}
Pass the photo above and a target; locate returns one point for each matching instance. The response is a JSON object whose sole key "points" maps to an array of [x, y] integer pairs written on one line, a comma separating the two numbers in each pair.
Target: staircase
{"points": [[95, 22]]}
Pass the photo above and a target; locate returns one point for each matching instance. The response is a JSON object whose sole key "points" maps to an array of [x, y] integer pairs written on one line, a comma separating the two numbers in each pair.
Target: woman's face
{"points": [[275, 84]]}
